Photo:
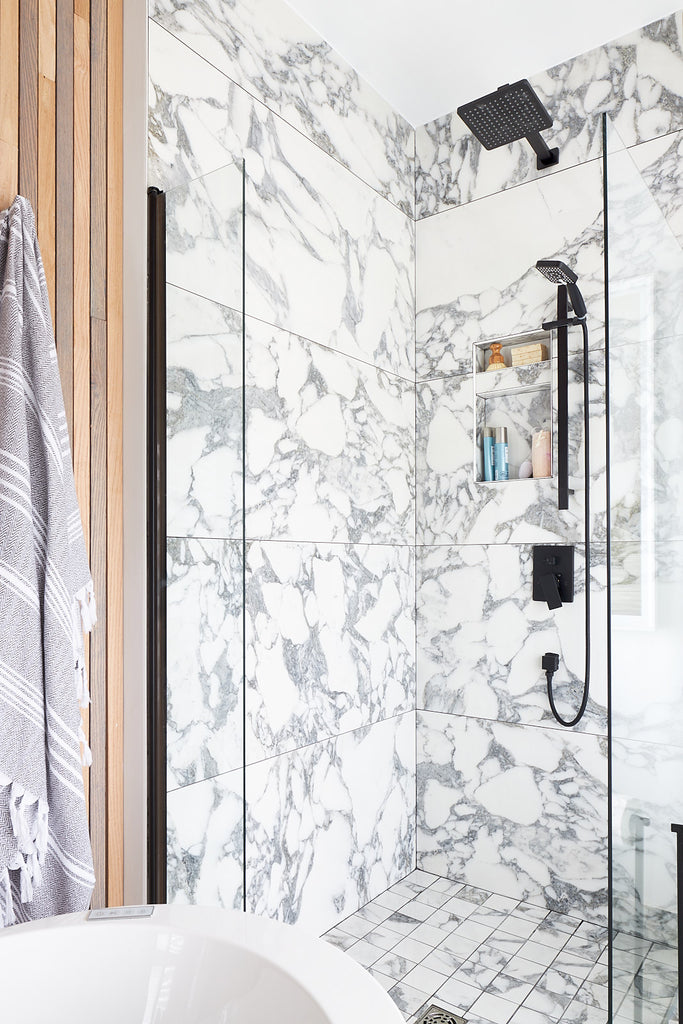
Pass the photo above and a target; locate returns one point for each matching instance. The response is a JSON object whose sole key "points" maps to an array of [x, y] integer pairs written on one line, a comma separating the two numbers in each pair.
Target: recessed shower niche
{"points": [[518, 396]]}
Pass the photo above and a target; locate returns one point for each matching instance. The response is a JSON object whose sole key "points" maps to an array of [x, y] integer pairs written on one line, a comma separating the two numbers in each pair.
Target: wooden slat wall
{"points": [[61, 146]]}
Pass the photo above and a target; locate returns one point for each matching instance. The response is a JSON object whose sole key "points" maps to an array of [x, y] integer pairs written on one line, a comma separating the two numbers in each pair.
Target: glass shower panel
{"points": [[646, 522], [205, 558]]}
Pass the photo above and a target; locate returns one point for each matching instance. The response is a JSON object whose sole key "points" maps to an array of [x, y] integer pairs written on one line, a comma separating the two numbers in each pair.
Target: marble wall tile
{"points": [[330, 641], [330, 444], [203, 417], [266, 48], [453, 507], [638, 79], [476, 266], [660, 163], [514, 809], [481, 637], [204, 654], [646, 799], [647, 643], [205, 843], [330, 826], [327, 257]]}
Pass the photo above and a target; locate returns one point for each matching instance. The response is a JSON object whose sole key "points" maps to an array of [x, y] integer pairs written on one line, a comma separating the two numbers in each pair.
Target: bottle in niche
{"points": [[488, 443], [496, 358], [540, 454], [501, 462]]}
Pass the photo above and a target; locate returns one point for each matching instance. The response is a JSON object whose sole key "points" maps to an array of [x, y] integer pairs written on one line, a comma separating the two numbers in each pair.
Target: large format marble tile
{"points": [[330, 826], [204, 417], [476, 266], [330, 641], [646, 800], [266, 48], [660, 163], [330, 444], [205, 843], [514, 809], [326, 256], [638, 79], [453, 506], [204, 659], [481, 637]]}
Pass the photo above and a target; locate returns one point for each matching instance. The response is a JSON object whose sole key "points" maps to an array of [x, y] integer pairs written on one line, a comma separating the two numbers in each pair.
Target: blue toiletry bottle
{"points": [[489, 441], [500, 456]]}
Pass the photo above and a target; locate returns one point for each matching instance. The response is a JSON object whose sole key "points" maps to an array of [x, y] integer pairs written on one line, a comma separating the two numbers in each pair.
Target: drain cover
{"points": [[437, 1015]]}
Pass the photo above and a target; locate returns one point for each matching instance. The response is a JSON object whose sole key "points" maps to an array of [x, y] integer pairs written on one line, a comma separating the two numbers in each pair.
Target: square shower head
{"points": [[510, 113]]}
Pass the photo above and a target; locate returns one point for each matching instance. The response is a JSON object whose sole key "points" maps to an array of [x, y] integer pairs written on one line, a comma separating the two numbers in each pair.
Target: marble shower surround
{"points": [[638, 79], [330, 492], [327, 257], [273, 54]]}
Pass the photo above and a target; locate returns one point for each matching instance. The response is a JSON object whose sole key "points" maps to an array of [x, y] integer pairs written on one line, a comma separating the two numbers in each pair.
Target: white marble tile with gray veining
{"points": [[481, 637], [205, 843], [660, 163], [204, 658], [327, 257], [330, 444], [453, 505], [516, 809], [330, 826], [330, 641], [203, 417], [269, 50], [637, 79], [476, 266]]}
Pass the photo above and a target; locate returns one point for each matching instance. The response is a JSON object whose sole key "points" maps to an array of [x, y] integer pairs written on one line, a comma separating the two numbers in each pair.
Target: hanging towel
{"points": [[46, 601]]}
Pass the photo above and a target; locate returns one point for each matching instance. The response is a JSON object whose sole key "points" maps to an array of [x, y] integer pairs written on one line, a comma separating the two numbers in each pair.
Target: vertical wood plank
{"points": [[114, 452], [45, 220], [9, 101], [98, 158], [64, 226], [47, 46], [98, 640], [28, 101]]}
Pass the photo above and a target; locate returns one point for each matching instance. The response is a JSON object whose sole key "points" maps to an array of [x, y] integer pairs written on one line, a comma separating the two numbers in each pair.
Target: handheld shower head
{"points": [[560, 273]]}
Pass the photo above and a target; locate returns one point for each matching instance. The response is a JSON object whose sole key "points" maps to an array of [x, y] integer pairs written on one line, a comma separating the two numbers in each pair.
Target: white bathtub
{"points": [[182, 965]]}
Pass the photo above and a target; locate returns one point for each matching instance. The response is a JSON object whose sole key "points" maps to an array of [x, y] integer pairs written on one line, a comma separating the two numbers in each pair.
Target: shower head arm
{"points": [[545, 157]]}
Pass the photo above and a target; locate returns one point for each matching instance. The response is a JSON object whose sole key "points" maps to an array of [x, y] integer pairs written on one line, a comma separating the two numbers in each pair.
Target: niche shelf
{"points": [[517, 397]]}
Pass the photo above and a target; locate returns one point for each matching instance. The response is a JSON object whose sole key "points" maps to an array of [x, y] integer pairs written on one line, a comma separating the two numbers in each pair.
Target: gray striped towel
{"points": [[46, 601]]}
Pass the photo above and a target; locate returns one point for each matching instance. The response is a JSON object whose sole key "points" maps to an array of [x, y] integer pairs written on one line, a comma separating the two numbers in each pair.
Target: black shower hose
{"points": [[587, 531]]}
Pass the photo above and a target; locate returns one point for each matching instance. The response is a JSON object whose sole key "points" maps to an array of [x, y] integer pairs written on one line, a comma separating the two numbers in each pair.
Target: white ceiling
{"points": [[428, 58]]}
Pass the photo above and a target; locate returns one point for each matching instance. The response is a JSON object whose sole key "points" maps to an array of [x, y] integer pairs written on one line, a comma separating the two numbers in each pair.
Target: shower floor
{"points": [[496, 960]]}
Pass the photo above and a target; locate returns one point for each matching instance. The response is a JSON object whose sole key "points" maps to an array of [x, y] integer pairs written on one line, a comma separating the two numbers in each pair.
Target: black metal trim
{"points": [[562, 400], [156, 545], [608, 528], [678, 829]]}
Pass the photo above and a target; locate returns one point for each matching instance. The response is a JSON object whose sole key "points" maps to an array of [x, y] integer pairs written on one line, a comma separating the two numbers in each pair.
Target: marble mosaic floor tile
{"points": [[490, 987]]}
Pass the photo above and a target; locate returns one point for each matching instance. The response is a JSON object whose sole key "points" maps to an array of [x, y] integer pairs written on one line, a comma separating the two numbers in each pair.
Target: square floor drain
{"points": [[437, 1015]]}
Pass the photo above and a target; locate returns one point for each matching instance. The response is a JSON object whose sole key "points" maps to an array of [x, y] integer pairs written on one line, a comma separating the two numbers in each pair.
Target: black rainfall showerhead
{"points": [[510, 113], [560, 273]]}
